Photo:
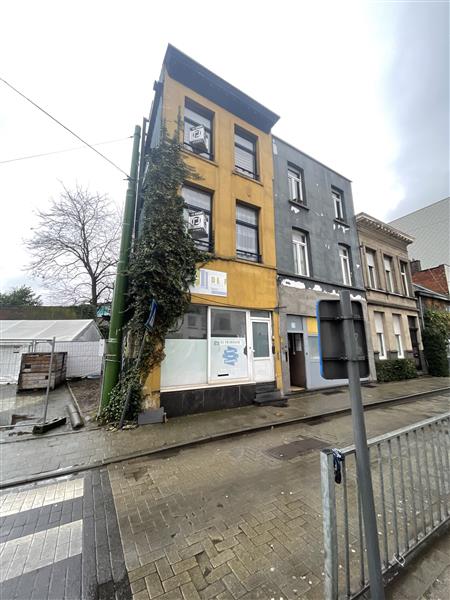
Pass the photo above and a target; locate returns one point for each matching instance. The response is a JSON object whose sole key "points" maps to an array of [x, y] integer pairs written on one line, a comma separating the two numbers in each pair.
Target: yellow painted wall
{"points": [[250, 285]]}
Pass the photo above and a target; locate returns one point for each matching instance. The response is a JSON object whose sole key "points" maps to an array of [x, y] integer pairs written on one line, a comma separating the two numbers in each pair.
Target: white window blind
{"points": [[379, 322]]}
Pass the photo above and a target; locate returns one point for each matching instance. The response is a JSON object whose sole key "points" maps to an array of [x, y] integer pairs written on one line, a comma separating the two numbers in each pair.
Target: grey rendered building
{"points": [[317, 257]]}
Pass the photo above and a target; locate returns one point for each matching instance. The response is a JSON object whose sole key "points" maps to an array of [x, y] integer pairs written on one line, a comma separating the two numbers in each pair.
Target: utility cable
{"points": [[10, 160], [64, 127]]}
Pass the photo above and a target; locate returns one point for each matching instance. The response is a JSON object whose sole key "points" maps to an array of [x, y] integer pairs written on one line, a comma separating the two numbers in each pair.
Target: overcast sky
{"points": [[361, 86]]}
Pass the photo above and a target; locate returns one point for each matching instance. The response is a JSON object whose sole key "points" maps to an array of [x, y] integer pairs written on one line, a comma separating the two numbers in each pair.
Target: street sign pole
{"points": [[362, 452]]}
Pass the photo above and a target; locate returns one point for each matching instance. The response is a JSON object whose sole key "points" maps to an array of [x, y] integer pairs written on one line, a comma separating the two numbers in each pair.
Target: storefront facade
{"points": [[227, 343]]}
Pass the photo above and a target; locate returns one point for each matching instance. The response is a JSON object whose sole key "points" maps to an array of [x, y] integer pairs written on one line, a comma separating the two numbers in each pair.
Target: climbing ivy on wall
{"points": [[162, 268], [435, 342]]}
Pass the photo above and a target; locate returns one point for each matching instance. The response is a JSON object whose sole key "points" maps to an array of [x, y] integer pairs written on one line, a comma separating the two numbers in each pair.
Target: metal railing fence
{"points": [[411, 483], [83, 358]]}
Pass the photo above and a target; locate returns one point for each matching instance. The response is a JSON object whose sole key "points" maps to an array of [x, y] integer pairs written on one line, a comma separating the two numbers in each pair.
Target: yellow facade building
{"points": [[226, 352]]}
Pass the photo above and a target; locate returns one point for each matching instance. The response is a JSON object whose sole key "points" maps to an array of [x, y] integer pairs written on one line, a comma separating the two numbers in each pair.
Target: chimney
{"points": [[415, 266]]}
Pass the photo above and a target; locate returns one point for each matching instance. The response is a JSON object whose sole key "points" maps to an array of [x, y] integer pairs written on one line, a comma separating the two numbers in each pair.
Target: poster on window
{"points": [[228, 359], [213, 283]]}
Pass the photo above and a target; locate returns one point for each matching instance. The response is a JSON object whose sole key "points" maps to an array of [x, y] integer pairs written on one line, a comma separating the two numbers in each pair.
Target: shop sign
{"points": [[212, 283]]}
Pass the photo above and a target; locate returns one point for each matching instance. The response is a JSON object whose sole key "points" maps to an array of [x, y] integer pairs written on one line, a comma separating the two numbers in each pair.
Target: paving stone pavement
{"points": [[31, 456], [59, 540], [232, 520]]}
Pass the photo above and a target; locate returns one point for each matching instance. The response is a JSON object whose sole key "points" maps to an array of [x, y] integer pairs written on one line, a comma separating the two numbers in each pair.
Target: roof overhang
{"points": [[379, 226], [190, 73]]}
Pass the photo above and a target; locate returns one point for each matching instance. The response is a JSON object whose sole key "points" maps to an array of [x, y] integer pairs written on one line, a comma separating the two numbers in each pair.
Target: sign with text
{"points": [[228, 358], [212, 283]]}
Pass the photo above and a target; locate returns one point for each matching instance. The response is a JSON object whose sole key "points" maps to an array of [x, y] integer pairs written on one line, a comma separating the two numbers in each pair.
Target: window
{"points": [[388, 272], [247, 244], [295, 183], [379, 328], [195, 115], [371, 268], [344, 254], [338, 204], [398, 335], [198, 201], [245, 153], [228, 345], [300, 247], [260, 331], [186, 350], [404, 277]]}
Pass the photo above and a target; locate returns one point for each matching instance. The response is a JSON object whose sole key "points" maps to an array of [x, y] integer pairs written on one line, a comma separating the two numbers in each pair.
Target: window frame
{"points": [[372, 274], [382, 354], [238, 131], [396, 319], [305, 245], [337, 192], [388, 273], [299, 178], [404, 277], [248, 226], [209, 246], [348, 260], [206, 114]]}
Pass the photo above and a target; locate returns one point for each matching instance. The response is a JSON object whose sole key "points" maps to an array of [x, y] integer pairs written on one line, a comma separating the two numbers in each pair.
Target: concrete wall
{"points": [[429, 227]]}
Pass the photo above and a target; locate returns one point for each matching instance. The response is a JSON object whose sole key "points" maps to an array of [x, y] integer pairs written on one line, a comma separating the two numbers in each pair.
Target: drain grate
{"points": [[296, 448]]}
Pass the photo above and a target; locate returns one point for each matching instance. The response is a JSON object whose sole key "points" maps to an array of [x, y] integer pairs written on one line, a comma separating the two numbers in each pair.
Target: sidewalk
{"points": [[28, 458]]}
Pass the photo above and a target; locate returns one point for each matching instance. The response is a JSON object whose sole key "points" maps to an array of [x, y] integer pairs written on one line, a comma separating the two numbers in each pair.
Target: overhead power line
{"points": [[10, 160], [66, 128]]}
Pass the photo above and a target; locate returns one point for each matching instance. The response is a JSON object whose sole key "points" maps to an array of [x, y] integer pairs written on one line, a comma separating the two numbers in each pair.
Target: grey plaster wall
{"points": [[317, 219], [298, 295]]}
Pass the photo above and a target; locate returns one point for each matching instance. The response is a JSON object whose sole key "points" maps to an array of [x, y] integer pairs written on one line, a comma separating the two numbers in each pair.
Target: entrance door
{"points": [[297, 359], [414, 342], [262, 349]]}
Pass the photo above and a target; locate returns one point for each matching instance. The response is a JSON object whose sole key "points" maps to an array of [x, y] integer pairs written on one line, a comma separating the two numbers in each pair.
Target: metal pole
{"points": [[114, 344], [49, 378], [329, 526], [362, 452]]}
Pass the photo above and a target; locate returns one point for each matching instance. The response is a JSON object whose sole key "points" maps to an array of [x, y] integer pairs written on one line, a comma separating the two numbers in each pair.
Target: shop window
{"points": [[228, 345], [186, 350]]}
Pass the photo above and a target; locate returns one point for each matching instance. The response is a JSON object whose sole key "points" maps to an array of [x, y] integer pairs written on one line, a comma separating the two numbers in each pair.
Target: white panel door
{"points": [[261, 349]]}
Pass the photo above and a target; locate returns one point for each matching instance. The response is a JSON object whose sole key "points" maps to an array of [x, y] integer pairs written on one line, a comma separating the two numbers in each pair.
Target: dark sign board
{"points": [[333, 358]]}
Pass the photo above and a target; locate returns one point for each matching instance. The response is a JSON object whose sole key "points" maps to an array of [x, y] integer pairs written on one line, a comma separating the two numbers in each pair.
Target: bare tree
{"points": [[75, 247]]}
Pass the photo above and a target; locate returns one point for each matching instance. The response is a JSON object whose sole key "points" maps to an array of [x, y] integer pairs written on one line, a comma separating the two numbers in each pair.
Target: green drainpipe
{"points": [[114, 344]]}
